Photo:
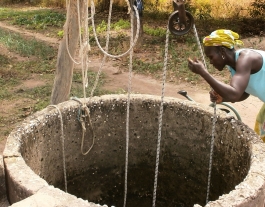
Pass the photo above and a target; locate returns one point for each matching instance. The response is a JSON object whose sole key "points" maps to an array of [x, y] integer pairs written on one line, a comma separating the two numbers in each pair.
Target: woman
{"points": [[247, 67]]}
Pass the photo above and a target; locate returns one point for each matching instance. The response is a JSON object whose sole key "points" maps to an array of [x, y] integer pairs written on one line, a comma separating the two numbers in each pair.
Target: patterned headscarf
{"points": [[222, 37]]}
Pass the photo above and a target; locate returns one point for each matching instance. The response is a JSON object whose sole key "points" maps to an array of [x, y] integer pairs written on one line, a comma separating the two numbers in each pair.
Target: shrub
{"points": [[257, 9]]}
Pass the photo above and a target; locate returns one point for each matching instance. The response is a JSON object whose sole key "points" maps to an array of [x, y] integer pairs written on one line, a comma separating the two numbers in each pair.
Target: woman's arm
{"points": [[215, 97], [230, 93], [242, 98]]}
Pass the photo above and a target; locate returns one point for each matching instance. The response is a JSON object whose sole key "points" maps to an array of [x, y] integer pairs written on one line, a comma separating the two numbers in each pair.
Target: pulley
{"points": [[180, 21]]}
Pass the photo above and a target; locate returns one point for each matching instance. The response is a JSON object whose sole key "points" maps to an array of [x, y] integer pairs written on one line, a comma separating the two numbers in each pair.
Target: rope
{"points": [[211, 155], [84, 47], [106, 48], [62, 140], [83, 114], [96, 38], [84, 110], [127, 115], [200, 47], [129, 6], [213, 124], [160, 117], [83, 53], [84, 73], [66, 29], [84, 76], [83, 120]]}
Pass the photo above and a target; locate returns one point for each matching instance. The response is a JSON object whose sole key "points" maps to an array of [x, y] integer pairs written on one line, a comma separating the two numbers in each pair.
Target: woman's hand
{"points": [[196, 66], [215, 97]]}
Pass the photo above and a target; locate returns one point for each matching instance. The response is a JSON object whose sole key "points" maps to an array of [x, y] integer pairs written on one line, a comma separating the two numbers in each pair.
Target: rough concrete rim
{"points": [[251, 188]]}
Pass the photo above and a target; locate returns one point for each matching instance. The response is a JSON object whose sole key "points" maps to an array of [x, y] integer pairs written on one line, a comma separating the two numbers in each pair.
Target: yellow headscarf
{"points": [[222, 37]]}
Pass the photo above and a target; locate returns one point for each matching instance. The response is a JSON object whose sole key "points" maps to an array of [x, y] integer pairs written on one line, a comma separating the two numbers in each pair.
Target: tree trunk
{"points": [[64, 69]]}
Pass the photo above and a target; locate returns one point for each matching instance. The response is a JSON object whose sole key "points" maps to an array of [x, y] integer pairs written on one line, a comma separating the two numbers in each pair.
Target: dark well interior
{"points": [[99, 176]]}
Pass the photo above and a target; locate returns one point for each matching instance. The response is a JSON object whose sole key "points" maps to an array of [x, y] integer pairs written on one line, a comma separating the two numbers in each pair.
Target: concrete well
{"points": [[33, 157]]}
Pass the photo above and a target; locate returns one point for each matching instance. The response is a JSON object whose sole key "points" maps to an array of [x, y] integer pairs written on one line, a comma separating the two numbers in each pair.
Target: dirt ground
{"points": [[118, 80]]}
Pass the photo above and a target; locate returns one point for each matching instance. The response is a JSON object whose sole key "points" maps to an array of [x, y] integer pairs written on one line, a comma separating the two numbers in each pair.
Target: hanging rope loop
{"points": [[96, 38], [85, 120]]}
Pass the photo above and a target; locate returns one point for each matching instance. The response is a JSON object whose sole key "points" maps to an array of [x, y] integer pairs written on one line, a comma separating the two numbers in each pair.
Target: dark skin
{"points": [[248, 62]]}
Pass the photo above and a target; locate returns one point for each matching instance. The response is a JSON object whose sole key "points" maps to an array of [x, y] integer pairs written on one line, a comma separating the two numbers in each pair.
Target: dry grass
{"points": [[223, 8]]}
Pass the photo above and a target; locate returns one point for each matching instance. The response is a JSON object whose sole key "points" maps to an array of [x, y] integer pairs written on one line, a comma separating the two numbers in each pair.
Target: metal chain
{"points": [[214, 121], [160, 117]]}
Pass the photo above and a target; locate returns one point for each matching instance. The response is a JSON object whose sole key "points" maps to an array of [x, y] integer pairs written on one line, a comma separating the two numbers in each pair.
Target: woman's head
{"points": [[218, 45], [222, 37]]}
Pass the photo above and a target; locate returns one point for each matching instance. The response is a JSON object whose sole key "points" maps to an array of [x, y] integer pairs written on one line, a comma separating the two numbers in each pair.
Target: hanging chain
{"points": [[160, 117], [214, 121]]}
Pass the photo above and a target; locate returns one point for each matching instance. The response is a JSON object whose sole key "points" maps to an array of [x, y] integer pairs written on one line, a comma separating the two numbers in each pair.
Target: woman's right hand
{"points": [[196, 66]]}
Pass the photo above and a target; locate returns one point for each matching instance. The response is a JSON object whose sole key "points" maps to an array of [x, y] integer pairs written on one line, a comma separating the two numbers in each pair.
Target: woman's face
{"points": [[215, 56]]}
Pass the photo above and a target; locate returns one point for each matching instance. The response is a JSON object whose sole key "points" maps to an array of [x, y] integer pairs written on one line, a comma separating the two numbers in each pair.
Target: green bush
{"points": [[121, 24], [15, 42], [41, 20], [257, 9]]}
